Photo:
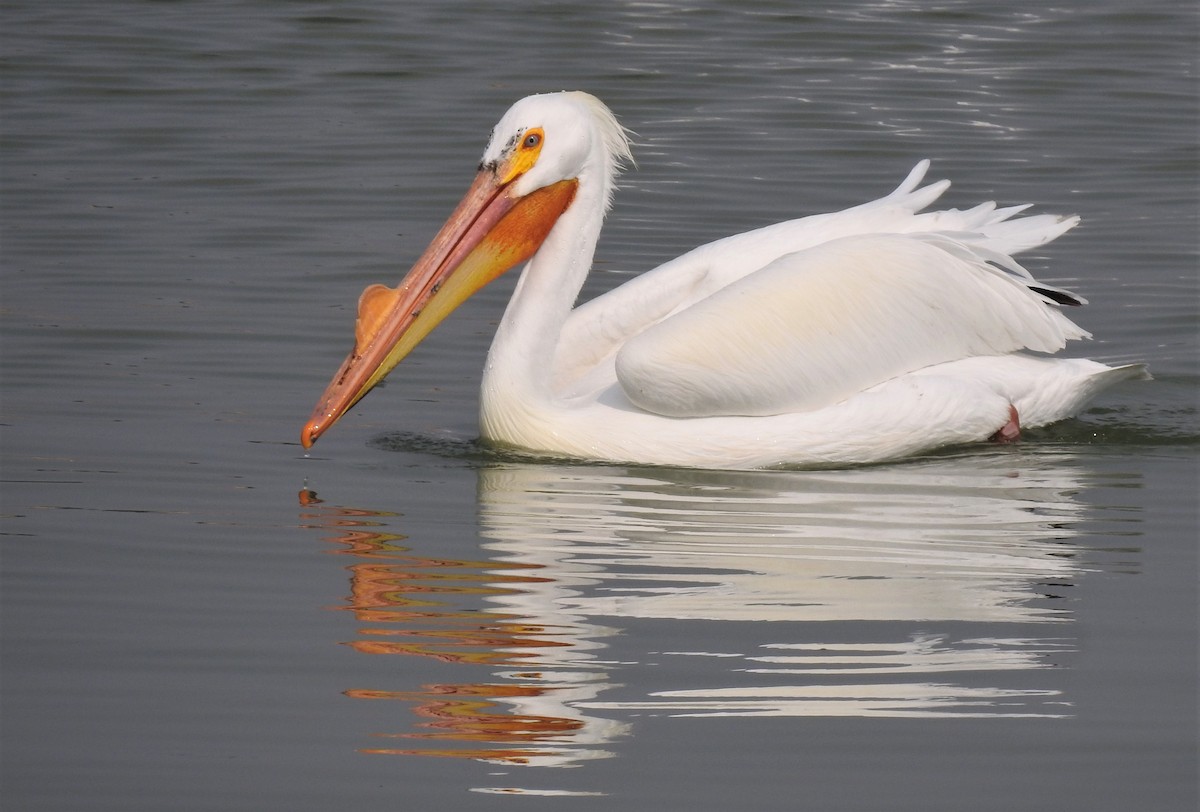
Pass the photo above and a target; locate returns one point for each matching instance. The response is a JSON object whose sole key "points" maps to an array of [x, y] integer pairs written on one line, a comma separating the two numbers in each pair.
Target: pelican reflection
{"points": [[929, 589]]}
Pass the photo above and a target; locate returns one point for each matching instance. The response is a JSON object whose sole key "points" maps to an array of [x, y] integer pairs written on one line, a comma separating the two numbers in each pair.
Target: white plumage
{"points": [[851, 337]]}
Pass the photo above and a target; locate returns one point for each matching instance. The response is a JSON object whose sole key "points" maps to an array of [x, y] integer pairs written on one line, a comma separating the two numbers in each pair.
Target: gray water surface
{"points": [[197, 615]]}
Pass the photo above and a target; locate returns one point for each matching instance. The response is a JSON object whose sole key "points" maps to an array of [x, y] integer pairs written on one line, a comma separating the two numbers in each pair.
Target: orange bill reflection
{"points": [[438, 608]]}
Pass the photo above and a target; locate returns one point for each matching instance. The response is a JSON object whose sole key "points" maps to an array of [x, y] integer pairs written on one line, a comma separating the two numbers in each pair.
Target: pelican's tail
{"points": [[1077, 383]]}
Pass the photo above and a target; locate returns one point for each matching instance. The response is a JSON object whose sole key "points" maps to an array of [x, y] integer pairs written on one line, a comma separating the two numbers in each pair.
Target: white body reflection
{"points": [[895, 552], [955, 540]]}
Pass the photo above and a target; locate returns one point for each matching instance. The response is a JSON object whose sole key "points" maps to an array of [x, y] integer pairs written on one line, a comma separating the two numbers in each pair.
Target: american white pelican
{"points": [[859, 336]]}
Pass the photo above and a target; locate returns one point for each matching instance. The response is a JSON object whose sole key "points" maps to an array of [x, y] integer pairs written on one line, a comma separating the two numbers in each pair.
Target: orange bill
{"points": [[490, 231]]}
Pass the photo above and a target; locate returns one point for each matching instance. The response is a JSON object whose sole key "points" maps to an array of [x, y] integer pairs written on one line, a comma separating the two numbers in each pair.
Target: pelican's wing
{"points": [[596, 330], [816, 326]]}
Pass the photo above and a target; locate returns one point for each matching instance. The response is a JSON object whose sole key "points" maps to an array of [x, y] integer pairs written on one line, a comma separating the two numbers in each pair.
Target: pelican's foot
{"points": [[1010, 432]]}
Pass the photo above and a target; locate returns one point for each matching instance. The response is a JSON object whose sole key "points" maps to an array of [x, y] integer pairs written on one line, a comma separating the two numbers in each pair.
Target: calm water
{"points": [[197, 616]]}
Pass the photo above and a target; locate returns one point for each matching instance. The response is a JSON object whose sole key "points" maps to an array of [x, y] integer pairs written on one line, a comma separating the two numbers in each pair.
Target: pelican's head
{"points": [[557, 136], [540, 152]]}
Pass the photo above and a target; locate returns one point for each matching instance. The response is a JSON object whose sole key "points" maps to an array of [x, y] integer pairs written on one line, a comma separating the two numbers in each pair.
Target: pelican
{"points": [[860, 336]]}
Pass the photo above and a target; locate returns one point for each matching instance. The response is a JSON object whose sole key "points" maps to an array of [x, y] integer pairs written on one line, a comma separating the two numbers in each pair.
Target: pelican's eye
{"points": [[524, 156]]}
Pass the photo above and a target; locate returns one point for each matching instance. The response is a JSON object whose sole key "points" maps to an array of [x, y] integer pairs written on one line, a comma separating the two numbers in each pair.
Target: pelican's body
{"points": [[860, 336]]}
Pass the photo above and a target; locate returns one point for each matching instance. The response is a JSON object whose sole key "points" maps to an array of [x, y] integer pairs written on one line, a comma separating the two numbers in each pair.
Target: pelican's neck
{"points": [[521, 359]]}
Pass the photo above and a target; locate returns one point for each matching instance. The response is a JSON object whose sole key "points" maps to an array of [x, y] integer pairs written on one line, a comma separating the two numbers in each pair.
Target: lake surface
{"points": [[197, 615]]}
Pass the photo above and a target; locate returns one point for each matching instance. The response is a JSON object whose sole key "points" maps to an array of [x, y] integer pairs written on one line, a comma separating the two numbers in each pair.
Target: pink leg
{"points": [[1010, 432]]}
